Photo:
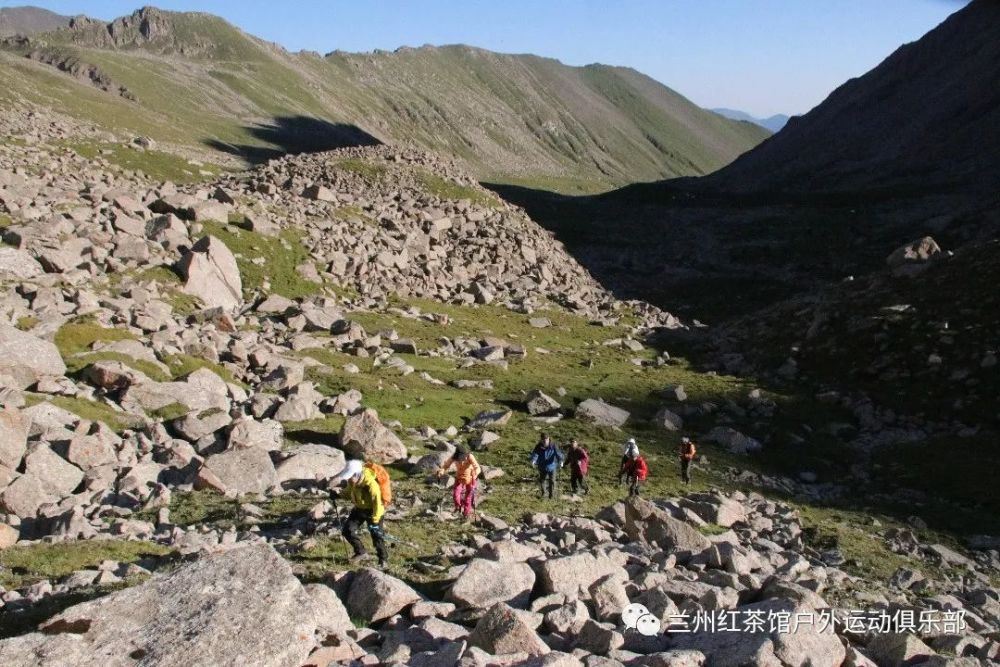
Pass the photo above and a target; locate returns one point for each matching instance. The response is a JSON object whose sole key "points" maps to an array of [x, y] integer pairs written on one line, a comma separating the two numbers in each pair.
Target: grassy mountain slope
{"points": [[197, 80]]}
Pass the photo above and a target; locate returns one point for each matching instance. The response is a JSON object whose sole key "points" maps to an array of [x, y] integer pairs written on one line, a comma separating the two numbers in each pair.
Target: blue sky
{"points": [[761, 56]]}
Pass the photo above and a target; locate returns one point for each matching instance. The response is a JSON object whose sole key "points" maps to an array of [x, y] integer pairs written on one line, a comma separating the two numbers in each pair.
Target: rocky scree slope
{"points": [[199, 80], [160, 340], [549, 591]]}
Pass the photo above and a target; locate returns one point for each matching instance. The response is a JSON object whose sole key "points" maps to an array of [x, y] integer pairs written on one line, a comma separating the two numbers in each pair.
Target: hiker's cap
{"points": [[351, 470]]}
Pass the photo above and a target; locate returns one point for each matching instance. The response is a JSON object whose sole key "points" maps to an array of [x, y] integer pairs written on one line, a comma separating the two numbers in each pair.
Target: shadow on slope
{"points": [[295, 134]]}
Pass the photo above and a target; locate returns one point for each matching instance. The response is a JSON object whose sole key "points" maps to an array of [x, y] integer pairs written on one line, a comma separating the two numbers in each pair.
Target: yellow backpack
{"points": [[384, 483]]}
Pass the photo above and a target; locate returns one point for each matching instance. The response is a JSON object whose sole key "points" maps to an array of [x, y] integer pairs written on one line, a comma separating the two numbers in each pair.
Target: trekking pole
{"points": [[395, 540]]}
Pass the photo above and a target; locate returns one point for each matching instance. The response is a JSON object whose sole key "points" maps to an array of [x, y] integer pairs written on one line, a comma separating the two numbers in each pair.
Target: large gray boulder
{"points": [[264, 433], [13, 437], [668, 420], [240, 607], [483, 583], [916, 252], [806, 646], [897, 649], [647, 522], [363, 436], [211, 274], [58, 476], [715, 509], [502, 631], [244, 470], [309, 464], [375, 596], [540, 403], [733, 440], [24, 496], [18, 265], [598, 412], [574, 574], [26, 358], [156, 395]]}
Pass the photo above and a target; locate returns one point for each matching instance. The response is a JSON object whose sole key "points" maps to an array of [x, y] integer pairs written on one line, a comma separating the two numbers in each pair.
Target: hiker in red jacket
{"points": [[579, 463], [636, 471]]}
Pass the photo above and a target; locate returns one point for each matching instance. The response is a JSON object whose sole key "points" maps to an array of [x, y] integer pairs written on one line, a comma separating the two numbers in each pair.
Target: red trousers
{"points": [[464, 496]]}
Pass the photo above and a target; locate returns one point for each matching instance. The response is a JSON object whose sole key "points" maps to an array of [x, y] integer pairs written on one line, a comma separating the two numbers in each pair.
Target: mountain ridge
{"points": [[525, 117], [774, 123], [29, 20]]}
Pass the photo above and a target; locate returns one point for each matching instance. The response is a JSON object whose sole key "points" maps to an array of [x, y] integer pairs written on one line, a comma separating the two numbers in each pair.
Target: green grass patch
{"points": [[214, 509], [87, 409], [26, 322], [79, 336], [169, 412], [277, 259], [856, 535], [182, 365], [24, 565], [323, 431], [443, 188], [157, 165], [154, 372], [368, 170]]}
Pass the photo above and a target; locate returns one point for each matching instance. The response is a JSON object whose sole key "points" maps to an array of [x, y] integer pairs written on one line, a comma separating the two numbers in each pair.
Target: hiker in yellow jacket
{"points": [[364, 492], [466, 475]]}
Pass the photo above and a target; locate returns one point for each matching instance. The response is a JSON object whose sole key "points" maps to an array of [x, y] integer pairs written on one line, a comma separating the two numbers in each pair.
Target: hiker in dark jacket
{"points": [[548, 459], [579, 464]]}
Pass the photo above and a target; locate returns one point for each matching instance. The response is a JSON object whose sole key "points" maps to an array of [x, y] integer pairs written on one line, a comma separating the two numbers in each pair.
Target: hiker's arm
{"points": [[444, 466], [476, 469]]}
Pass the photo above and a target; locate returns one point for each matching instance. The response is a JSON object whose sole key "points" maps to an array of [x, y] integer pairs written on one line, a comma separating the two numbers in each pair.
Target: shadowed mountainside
{"points": [[928, 117]]}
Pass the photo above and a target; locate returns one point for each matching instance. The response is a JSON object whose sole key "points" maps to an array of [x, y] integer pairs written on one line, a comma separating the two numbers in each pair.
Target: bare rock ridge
{"points": [[75, 67]]}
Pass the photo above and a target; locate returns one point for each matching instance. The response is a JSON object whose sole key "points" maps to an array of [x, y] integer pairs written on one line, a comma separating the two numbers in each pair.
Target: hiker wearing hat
{"points": [[629, 451], [467, 472], [364, 492], [635, 470], [686, 451]]}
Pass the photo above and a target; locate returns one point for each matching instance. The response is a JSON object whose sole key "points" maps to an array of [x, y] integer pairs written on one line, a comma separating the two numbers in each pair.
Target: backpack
{"points": [[384, 483], [689, 451]]}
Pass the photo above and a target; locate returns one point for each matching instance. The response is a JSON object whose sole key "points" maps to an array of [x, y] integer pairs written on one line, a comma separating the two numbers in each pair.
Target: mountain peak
{"points": [[29, 21]]}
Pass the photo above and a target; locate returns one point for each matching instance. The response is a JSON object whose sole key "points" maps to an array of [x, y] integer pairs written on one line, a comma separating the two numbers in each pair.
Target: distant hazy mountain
{"points": [[772, 123], [29, 21]]}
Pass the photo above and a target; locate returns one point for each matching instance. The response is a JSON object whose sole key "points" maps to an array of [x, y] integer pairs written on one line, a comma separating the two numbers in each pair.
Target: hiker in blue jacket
{"points": [[548, 459]]}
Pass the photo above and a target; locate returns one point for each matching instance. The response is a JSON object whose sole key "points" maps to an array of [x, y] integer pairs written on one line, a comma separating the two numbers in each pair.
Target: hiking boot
{"points": [[359, 557]]}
